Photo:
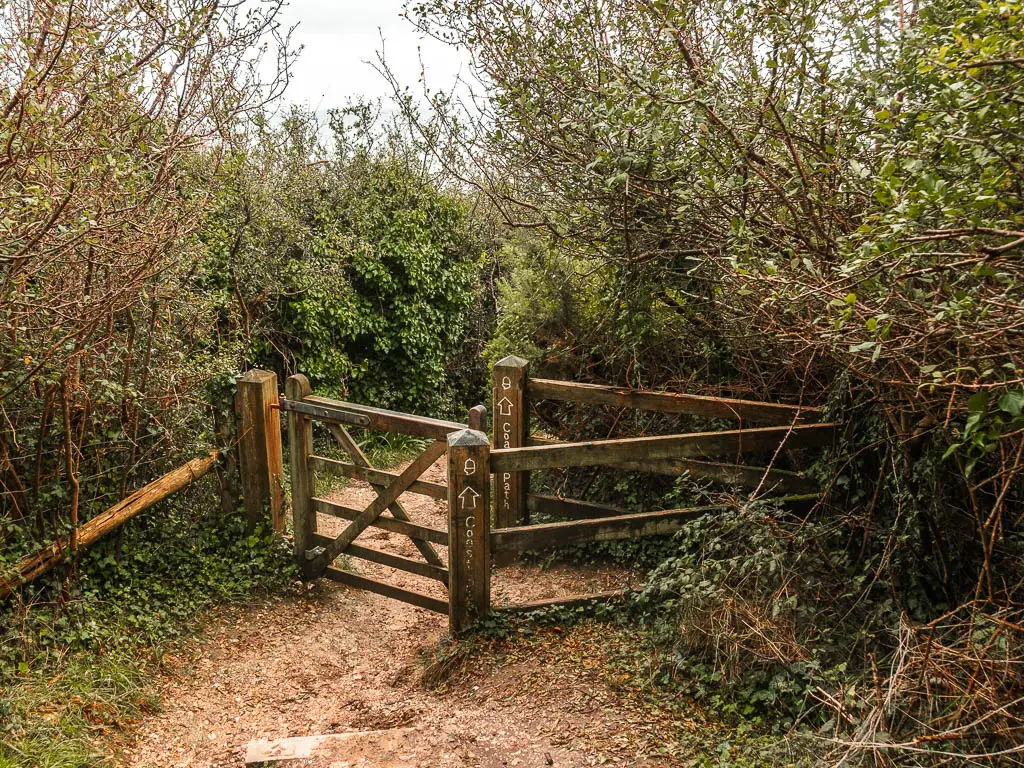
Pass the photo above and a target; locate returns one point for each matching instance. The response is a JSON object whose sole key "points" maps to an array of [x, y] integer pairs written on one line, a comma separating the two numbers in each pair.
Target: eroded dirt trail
{"points": [[334, 660]]}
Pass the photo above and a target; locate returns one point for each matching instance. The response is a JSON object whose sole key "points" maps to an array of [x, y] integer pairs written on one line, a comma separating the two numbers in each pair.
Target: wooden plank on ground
{"points": [[392, 421], [391, 560], [375, 477], [699, 444], [329, 748], [670, 402], [412, 530], [557, 535], [387, 590], [572, 601]]}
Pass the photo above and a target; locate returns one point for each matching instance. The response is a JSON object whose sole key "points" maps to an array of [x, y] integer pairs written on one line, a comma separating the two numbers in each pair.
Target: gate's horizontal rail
{"points": [[743, 475], [388, 590], [412, 530], [376, 476], [391, 560], [338, 415], [386, 421], [614, 452], [670, 402], [556, 535], [574, 509]]}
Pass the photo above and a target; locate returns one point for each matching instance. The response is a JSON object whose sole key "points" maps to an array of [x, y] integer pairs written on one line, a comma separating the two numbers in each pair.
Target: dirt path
{"points": [[333, 660]]}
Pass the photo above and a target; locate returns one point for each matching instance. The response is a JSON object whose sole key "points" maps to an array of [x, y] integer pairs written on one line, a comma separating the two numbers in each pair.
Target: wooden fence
{"points": [[514, 391], [472, 461]]}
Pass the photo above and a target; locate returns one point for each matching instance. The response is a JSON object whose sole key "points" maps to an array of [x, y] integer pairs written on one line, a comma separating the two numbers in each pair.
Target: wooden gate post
{"points": [[300, 448], [469, 528], [259, 448], [511, 428]]}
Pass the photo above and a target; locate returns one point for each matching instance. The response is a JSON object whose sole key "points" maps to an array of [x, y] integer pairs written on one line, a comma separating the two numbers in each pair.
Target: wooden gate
{"points": [[316, 552], [469, 539]]}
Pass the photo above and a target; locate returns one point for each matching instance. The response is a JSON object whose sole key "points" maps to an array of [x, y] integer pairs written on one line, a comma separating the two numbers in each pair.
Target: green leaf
{"points": [[1012, 402], [977, 403]]}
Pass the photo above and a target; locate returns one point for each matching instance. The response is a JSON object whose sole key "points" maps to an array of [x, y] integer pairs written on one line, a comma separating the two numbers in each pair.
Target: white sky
{"points": [[341, 39]]}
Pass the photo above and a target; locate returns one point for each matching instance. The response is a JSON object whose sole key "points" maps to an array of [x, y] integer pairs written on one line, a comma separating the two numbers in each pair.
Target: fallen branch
{"points": [[43, 561]]}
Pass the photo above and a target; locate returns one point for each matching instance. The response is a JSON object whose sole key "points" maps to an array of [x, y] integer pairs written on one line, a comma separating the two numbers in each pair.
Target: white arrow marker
{"points": [[505, 407], [473, 495]]}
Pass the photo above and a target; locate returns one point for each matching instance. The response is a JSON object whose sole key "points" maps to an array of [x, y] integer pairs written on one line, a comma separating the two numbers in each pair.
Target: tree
{"points": [[107, 107]]}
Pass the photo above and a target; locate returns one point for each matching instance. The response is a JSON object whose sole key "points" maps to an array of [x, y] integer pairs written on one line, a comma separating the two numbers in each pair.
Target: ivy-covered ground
{"points": [[77, 665]]}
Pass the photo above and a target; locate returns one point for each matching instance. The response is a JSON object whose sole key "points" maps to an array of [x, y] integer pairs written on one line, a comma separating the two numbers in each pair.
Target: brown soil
{"points": [[330, 660]]}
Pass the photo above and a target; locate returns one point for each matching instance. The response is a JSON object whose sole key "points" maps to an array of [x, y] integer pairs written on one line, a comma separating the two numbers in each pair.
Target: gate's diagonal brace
{"points": [[321, 558], [397, 510]]}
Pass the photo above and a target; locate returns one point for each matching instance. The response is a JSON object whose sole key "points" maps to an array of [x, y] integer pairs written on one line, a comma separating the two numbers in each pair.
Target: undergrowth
{"points": [[604, 645], [784, 626], [76, 668]]}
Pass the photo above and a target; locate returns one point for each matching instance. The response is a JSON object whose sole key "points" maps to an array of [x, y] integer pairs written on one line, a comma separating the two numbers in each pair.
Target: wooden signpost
{"points": [[511, 428], [259, 448], [469, 528]]}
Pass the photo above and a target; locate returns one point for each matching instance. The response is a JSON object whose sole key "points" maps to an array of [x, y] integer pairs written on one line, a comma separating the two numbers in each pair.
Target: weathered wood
{"points": [[329, 413], [412, 530], [743, 475], [541, 440], [300, 448], [671, 402], [511, 428], [259, 448], [391, 560], [385, 499], [557, 535], [574, 509], [357, 747], [375, 477], [572, 601], [707, 444], [478, 418], [41, 562], [388, 590], [352, 447], [469, 518], [393, 421]]}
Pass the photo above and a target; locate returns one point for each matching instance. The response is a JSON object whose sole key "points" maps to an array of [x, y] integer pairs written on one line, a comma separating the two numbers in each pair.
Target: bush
{"points": [[351, 266]]}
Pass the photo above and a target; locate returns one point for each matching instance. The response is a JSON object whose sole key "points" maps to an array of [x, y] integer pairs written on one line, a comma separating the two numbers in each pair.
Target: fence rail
{"points": [[670, 402], [627, 526], [87, 534], [638, 449]]}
